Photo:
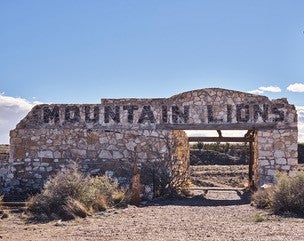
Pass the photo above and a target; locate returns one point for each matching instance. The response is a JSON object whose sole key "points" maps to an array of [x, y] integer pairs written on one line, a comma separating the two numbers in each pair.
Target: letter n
{"points": [[257, 111], [178, 116], [115, 116], [49, 114]]}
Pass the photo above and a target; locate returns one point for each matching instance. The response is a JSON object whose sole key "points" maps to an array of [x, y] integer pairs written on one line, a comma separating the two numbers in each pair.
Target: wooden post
{"points": [[251, 161], [136, 183]]}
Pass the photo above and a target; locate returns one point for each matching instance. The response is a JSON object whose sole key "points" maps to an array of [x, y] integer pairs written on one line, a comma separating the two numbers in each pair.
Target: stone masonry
{"points": [[106, 138]]}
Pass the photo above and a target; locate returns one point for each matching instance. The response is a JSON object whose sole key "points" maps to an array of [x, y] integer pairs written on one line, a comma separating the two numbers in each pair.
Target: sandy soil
{"points": [[217, 216]]}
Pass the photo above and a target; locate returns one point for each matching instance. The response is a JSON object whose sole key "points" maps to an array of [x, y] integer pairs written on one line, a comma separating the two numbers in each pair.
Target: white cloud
{"points": [[256, 92], [12, 110], [275, 89], [296, 87], [300, 110], [263, 89]]}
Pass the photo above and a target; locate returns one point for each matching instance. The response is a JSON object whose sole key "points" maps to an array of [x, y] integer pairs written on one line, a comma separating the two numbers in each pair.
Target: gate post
{"points": [[135, 183]]}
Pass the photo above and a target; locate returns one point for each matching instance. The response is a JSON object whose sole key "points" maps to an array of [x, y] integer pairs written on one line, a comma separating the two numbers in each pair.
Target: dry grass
{"points": [[286, 196], [263, 198], [75, 209], [71, 194], [3, 213], [258, 218]]}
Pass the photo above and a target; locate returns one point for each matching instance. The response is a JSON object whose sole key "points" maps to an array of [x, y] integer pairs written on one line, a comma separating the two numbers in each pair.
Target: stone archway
{"points": [[101, 135]]}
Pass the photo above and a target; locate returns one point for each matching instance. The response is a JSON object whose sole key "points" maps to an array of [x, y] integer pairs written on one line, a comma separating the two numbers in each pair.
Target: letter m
{"points": [[51, 114]]}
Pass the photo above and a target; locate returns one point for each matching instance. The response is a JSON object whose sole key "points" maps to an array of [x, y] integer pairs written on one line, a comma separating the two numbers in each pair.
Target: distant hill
{"points": [[226, 154], [210, 157]]}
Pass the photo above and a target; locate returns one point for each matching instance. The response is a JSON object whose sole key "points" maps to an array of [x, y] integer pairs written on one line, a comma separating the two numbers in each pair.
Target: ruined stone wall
{"points": [[107, 137], [39, 153], [4, 153], [4, 165]]}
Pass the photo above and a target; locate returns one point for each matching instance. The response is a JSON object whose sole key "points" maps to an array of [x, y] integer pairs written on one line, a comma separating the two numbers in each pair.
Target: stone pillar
{"points": [[277, 151]]}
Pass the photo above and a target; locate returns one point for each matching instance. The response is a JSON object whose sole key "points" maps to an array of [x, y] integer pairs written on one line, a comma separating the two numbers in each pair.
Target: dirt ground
{"points": [[219, 215], [219, 175]]}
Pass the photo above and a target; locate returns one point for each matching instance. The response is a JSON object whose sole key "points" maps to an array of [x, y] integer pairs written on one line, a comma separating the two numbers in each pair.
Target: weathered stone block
{"points": [[292, 161], [38, 176], [279, 154], [105, 154], [46, 154], [281, 161], [79, 153], [285, 167], [57, 154], [10, 176], [36, 164], [270, 172], [264, 162], [117, 155], [19, 152], [263, 153]]}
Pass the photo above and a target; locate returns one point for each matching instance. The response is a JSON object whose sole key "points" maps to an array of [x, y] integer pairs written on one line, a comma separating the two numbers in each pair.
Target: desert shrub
{"points": [[75, 209], [3, 213], [71, 194], [263, 198], [1, 207], [258, 217], [287, 195]]}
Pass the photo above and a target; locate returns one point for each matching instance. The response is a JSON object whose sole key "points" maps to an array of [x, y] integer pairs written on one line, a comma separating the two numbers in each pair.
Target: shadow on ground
{"points": [[203, 201]]}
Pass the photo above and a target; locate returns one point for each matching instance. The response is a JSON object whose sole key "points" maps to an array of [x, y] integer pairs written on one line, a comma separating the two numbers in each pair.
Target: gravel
{"points": [[217, 216]]}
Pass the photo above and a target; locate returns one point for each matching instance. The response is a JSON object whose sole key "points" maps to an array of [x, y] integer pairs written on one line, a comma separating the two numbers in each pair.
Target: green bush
{"points": [[286, 196], [71, 194]]}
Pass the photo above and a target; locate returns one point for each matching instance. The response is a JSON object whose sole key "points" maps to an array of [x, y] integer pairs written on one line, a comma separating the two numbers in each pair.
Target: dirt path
{"points": [[221, 216]]}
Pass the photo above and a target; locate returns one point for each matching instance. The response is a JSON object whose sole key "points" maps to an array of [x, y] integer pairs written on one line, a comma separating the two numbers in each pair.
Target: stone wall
{"points": [[4, 153], [4, 165], [42, 152], [108, 137]]}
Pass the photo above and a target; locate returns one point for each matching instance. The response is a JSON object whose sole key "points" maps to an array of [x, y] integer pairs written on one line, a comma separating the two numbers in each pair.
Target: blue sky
{"points": [[80, 51]]}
